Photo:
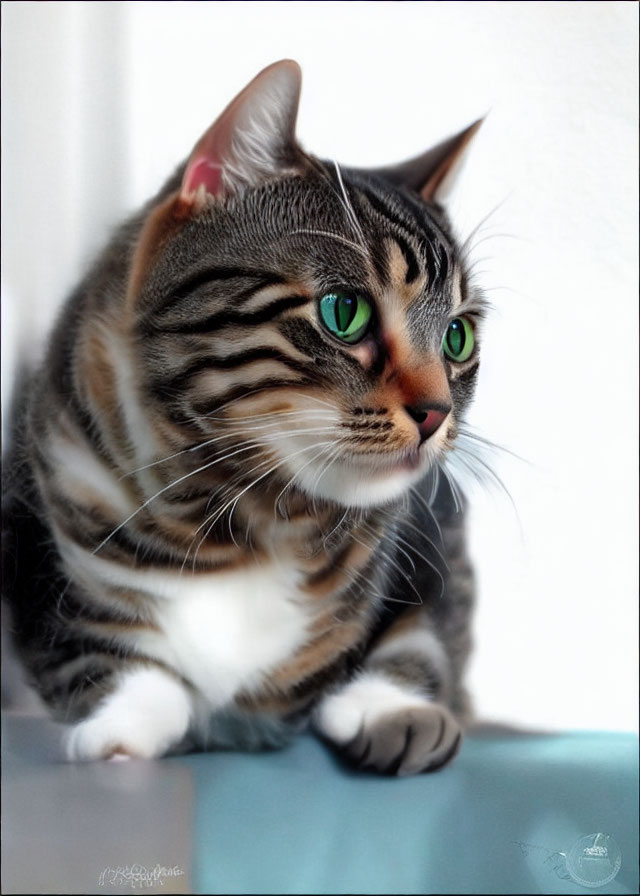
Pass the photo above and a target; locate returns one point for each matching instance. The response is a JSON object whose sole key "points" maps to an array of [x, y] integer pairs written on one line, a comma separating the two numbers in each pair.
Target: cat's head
{"points": [[319, 319]]}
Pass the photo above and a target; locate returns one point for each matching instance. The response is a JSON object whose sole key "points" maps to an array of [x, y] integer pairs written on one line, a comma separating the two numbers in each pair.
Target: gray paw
{"points": [[407, 741]]}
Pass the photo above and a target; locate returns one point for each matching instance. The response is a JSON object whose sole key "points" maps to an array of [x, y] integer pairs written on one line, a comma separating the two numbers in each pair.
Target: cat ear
{"points": [[433, 173], [252, 140]]}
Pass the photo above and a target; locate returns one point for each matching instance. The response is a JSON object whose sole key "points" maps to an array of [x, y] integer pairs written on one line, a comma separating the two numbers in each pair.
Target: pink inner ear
{"points": [[202, 171]]}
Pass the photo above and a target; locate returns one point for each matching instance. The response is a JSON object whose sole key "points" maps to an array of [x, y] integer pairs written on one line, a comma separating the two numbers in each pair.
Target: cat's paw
{"points": [[145, 716], [379, 725], [406, 742]]}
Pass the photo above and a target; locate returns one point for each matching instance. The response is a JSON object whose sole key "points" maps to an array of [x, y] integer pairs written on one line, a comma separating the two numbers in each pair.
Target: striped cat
{"points": [[225, 515]]}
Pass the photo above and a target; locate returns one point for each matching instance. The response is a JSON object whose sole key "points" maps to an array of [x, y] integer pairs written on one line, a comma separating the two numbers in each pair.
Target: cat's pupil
{"points": [[345, 308], [456, 337]]}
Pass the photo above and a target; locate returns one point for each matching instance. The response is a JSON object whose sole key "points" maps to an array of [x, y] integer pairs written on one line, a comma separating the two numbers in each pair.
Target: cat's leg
{"points": [[146, 714], [393, 715]]}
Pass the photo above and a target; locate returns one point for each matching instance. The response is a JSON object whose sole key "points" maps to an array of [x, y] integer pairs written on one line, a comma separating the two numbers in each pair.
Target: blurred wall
{"points": [[101, 100]]}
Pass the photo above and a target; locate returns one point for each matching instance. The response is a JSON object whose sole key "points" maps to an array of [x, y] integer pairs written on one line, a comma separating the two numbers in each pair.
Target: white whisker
{"points": [[293, 478], [466, 246], [157, 494], [433, 546], [348, 206], [213, 519], [333, 236], [458, 497], [393, 562], [426, 560], [427, 506]]}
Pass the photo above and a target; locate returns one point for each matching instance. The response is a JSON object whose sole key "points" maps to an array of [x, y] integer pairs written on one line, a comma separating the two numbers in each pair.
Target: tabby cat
{"points": [[228, 514]]}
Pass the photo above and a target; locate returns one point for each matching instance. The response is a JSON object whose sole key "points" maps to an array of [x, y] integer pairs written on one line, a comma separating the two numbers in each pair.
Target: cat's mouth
{"points": [[366, 479], [409, 459]]}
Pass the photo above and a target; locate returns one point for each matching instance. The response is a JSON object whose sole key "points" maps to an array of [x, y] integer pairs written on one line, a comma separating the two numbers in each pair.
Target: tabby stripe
{"points": [[164, 556], [122, 545], [391, 215], [307, 338], [63, 378], [467, 376], [437, 237], [100, 664], [83, 611], [212, 275], [87, 425], [380, 260], [336, 564], [213, 406], [90, 679], [226, 318], [67, 650], [118, 546], [87, 517], [180, 381], [409, 668], [90, 676], [422, 219], [465, 287], [187, 496], [444, 263], [413, 268], [41, 455], [339, 668], [430, 259], [425, 223]]}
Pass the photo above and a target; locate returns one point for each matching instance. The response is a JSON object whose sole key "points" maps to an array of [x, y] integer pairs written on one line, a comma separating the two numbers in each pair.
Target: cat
{"points": [[228, 514]]}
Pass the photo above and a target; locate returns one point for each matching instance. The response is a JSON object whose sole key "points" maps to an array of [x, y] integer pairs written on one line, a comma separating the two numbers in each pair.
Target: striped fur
{"points": [[214, 500]]}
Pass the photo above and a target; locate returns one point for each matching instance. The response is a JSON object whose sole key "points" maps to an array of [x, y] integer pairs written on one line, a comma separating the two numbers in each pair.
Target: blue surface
{"points": [[496, 821], [296, 821]]}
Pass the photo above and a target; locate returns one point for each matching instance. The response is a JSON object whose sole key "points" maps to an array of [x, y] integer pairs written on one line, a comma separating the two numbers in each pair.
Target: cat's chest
{"points": [[225, 632]]}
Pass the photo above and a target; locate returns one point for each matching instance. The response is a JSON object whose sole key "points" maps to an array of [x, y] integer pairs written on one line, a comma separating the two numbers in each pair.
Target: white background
{"points": [[102, 100]]}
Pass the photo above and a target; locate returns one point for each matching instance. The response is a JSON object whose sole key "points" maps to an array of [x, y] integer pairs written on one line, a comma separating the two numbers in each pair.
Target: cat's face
{"points": [[319, 323]]}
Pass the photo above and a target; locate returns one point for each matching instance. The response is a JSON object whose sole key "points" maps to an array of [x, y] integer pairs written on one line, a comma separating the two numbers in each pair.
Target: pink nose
{"points": [[428, 418]]}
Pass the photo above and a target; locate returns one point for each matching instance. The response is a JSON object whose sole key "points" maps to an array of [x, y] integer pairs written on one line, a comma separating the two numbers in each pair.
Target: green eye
{"points": [[459, 340], [347, 315]]}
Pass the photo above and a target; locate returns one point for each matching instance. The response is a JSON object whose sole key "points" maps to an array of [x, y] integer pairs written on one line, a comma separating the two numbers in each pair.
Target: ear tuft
{"points": [[253, 139]]}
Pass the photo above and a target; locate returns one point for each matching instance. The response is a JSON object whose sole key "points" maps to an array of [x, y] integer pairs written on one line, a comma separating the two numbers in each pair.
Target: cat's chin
{"points": [[365, 483]]}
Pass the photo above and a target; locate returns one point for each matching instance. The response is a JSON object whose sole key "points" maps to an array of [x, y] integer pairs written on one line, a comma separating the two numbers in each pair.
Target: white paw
{"points": [[147, 714], [381, 725], [340, 716]]}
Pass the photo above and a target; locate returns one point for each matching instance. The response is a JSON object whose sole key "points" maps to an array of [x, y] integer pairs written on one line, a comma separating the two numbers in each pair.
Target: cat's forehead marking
{"points": [[417, 253], [406, 286], [456, 288]]}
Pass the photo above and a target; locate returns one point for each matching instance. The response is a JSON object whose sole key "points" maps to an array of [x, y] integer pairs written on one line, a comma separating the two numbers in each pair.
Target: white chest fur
{"points": [[224, 632]]}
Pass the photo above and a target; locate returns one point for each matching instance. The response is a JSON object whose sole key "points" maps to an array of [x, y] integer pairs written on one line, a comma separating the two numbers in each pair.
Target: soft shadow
{"points": [[488, 728]]}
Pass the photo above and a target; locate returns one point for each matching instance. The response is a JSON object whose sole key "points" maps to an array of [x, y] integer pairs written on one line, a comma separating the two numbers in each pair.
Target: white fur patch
{"points": [[222, 631], [148, 713], [136, 419], [341, 715], [225, 632], [81, 474], [351, 485]]}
